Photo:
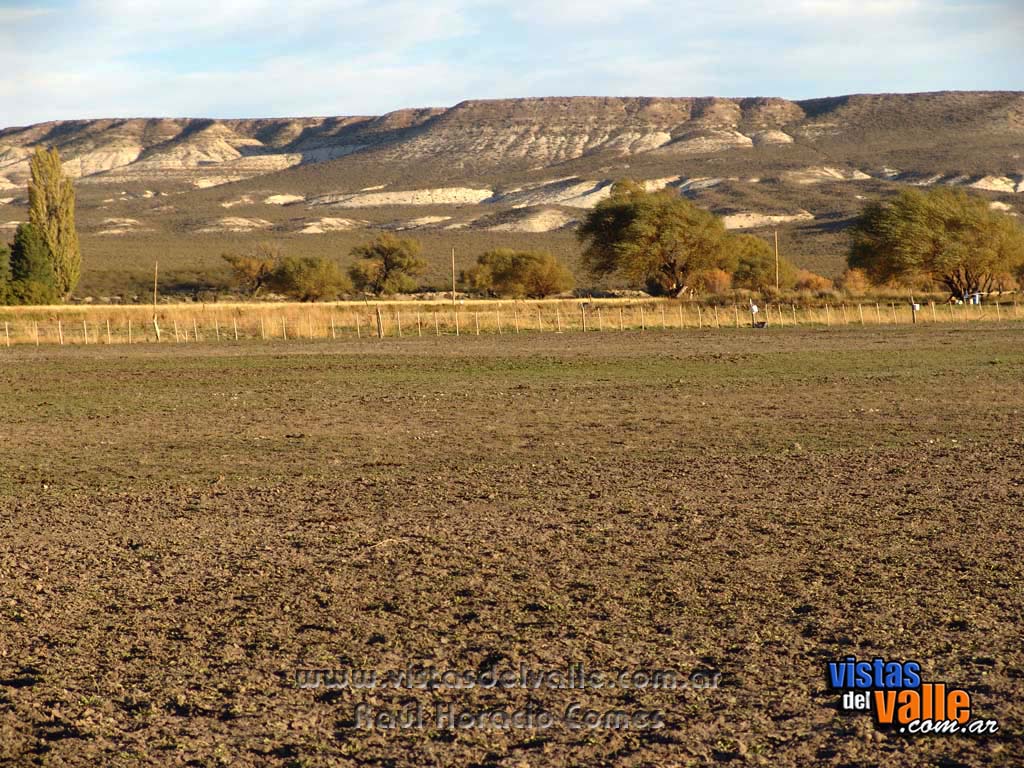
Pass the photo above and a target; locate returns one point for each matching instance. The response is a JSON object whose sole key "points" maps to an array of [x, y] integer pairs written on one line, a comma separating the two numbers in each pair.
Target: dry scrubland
{"points": [[181, 526]]}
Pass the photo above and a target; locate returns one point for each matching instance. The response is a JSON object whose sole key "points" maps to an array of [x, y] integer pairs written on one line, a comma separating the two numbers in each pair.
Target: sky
{"points": [[76, 59]]}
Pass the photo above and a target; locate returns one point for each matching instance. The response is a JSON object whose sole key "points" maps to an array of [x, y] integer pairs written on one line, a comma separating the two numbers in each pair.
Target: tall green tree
{"points": [[654, 238], [943, 235], [6, 297], [33, 280], [51, 203], [387, 264]]}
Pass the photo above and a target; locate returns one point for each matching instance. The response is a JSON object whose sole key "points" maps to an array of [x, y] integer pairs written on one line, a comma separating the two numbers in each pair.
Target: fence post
{"points": [[36, 323], [7, 333], [234, 323], [895, 320], [156, 329], [359, 332], [643, 322], [419, 326], [398, 316], [846, 320], [380, 324], [515, 317], [860, 310], [263, 329], [558, 319], [195, 329], [129, 330], [878, 313], [622, 327], [456, 322], [718, 324], [109, 342], [999, 317], [216, 327], [334, 333], [583, 316], [700, 318], [828, 317], [664, 321], [476, 321], [60, 332], [934, 318]]}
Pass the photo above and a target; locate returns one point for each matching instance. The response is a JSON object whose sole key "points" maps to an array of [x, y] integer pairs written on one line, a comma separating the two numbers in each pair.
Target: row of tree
{"points": [[941, 236], [43, 264], [658, 240]]}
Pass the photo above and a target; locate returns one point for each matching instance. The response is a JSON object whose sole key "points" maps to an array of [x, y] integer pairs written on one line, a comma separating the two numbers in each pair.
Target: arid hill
{"points": [[484, 172]]}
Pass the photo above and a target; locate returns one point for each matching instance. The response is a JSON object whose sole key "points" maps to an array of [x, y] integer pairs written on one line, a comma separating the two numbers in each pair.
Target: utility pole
{"points": [[453, 277], [776, 260]]}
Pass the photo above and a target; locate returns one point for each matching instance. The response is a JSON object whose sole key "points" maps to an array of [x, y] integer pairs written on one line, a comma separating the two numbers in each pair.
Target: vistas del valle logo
{"points": [[894, 693]]}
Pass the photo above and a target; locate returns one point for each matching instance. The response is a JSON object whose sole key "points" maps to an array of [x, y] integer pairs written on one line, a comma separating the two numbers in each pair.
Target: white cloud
{"points": [[262, 57]]}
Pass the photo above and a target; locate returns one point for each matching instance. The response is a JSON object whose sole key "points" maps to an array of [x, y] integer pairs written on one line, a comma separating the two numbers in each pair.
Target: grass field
{"points": [[184, 526]]}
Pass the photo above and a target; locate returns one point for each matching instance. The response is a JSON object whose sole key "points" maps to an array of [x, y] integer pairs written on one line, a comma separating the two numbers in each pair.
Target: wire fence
{"points": [[292, 322]]}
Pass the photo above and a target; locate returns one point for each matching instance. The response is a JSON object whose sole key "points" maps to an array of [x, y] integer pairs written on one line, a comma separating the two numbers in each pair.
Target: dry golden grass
{"points": [[70, 324]]}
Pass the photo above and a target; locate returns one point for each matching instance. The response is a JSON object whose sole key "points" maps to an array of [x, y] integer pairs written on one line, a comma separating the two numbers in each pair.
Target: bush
{"points": [[517, 274], [712, 281], [309, 278], [386, 265], [855, 282], [810, 281], [754, 264], [252, 270]]}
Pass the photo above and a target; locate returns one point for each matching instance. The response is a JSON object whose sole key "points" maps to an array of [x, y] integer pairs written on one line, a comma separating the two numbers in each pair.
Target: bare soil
{"points": [[181, 528]]}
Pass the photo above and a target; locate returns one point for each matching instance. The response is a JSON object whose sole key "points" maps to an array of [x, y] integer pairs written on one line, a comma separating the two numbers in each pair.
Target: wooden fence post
{"points": [[860, 309], [828, 317], [216, 327], [419, 325], [717, 323], [359, 332], [334, 332], [736, 315], [476, 321], [60, 332], [129, 330], [622, 327], [643, 322], [284, 328], [7, 333], [558, 319], [895, 321], [234, 323], [515, 317], [583, 316], [398, 316], [109, 342], [700, 318], [934, 318], [380, 324], [878, 313]]}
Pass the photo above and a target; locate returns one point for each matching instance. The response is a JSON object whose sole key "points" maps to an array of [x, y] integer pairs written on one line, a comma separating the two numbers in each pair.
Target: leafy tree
{"points": [[517, 274], [33, 279], [51, 203], [943, 235], [253, 269], [6, 297], [754, 264], [386, 264], [309, 278], [656, 238]]}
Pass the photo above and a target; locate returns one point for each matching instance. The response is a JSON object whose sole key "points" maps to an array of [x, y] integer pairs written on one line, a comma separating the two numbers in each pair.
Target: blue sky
{"points": [[65, 59]]}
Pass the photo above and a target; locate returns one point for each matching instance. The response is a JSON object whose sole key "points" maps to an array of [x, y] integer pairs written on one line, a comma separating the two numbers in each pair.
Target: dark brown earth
{"points": [[180, 529]]}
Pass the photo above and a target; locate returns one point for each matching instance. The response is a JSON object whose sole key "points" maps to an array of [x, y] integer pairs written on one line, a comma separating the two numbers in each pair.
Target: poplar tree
{"points": [[51, 200]]}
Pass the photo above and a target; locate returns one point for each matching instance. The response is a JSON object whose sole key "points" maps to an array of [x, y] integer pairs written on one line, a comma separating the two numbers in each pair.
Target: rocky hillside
{"points": [[527, 166]]}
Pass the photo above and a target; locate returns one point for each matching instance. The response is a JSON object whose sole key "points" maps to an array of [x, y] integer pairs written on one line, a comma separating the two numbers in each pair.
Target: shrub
{"points": [[309, 278], [810, 281], [252, 270], [755, 264], [712, 280], [855, 282], [517, 274]]}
